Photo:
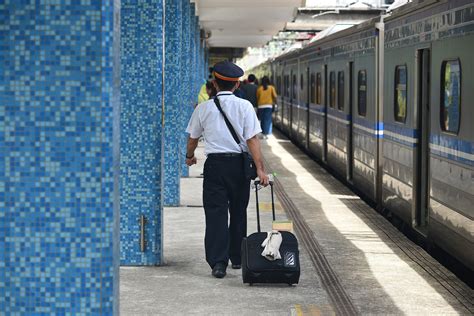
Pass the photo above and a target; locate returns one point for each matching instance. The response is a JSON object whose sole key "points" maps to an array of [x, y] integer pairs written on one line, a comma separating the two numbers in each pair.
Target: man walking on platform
{"points": [[226, 189], [250, 90]]}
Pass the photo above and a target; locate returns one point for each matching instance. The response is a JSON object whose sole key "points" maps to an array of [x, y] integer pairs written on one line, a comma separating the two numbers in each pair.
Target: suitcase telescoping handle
{"points": [[256, 183]]}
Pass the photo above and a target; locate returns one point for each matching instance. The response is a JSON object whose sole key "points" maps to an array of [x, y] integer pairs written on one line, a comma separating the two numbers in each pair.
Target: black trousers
{"points": [[225, 191]]}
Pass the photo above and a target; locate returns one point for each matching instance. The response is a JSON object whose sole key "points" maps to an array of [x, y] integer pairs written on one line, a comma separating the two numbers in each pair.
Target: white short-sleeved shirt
{"points": [[209, 122]]}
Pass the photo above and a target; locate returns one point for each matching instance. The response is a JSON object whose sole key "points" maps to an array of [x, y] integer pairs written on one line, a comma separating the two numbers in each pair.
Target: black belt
{"points": [[216, 155]]}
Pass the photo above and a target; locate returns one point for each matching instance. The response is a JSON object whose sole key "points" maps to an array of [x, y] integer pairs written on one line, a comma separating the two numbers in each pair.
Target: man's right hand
{"points": [[191, 161], [264, 180]]}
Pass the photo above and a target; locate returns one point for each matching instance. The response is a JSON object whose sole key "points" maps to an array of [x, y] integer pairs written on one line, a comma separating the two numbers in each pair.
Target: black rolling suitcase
{"points": [[258, 269]]}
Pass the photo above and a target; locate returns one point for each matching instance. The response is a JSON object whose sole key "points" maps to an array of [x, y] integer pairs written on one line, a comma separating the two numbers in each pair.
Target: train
{"points": [[387, 106]]}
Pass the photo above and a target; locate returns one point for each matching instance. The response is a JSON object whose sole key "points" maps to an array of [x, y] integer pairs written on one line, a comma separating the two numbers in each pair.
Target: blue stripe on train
{"points": [[339, 114], [452, 148], [376, 129], [401, 130], [396, 132]]}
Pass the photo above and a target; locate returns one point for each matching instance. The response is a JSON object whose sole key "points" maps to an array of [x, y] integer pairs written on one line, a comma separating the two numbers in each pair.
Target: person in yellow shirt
{"points": [[266, 97], [207, 89], [203, 96]]}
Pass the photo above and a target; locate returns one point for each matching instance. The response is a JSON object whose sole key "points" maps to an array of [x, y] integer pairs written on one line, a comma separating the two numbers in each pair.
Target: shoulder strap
{"points": [[229, 125]]}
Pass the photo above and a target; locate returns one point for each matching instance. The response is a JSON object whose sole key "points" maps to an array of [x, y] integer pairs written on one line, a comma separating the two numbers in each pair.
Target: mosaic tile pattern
{"points": [[194, 71], [151, 163], [173, 103], [56, 151], [116, 155], [186, 75], [141, 130]]}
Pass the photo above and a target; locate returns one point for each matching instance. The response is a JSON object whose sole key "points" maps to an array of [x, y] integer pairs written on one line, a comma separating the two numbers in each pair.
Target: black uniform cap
{"points": [[228, 71]]}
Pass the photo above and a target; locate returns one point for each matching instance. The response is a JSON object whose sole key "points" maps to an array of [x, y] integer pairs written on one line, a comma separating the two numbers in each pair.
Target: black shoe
{"points": [[236, 266], [219, 270]]}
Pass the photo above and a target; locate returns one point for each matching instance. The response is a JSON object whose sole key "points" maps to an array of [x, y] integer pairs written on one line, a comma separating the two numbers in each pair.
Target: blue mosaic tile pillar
{"points": [[195, 70], [141, 131], [58, 103], [199, 78], [194, 51], [173, 103], [186, 73]]}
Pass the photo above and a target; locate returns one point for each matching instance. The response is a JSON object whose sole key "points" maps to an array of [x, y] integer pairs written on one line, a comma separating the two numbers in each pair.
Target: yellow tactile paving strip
{"points": [[312, 310], [267, 207]]}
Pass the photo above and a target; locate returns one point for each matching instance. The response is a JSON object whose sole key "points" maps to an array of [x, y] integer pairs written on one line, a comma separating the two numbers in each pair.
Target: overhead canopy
{"points": [[244, 23]]}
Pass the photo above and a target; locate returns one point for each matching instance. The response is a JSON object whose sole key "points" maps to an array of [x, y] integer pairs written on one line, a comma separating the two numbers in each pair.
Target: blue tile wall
{"points": [[173, 103], [141, 130], [58, 223]]}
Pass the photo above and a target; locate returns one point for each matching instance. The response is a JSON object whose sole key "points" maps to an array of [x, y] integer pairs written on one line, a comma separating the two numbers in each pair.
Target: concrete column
{"points": [[58, 103], [141, 131], [173, 102]]}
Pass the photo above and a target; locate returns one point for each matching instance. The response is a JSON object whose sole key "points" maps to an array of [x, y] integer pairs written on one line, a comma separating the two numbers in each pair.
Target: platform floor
{"points": [[352, 260]]}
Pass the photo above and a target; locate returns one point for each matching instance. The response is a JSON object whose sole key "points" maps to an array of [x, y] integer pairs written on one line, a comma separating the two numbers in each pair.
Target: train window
{"points": [[362, 93], [340, 90], [301, 81], [294, 86], [450, 115], [318, 88], [332, 89], [400, 96], [313, 89]]}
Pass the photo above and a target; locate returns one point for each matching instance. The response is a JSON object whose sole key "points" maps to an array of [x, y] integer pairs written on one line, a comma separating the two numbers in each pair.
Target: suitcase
{"points": [[258, 269]]}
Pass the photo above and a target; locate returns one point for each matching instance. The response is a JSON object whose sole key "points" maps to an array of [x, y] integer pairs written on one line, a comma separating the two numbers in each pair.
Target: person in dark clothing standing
{"points": [[250, 90], [210, 89], [238, 92], [225, 188]]}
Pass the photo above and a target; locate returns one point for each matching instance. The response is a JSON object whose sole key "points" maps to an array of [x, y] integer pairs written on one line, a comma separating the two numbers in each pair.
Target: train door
{"points": [[423, 117], [309, 88], [290, 105], [325, 113], [286, 101], [282, 98], [350, 151]]}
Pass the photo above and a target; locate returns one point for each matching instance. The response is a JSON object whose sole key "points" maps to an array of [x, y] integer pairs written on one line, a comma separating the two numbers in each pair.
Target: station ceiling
{"points": [[244, 23]]}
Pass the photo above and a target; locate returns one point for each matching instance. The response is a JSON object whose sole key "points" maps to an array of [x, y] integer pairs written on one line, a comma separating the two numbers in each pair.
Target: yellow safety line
{"points": [[299, 311]]}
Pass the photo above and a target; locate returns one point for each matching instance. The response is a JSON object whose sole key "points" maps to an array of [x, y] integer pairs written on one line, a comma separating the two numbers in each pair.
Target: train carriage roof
{"points": [[410, 8], [329, 37], [357, 28]]}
